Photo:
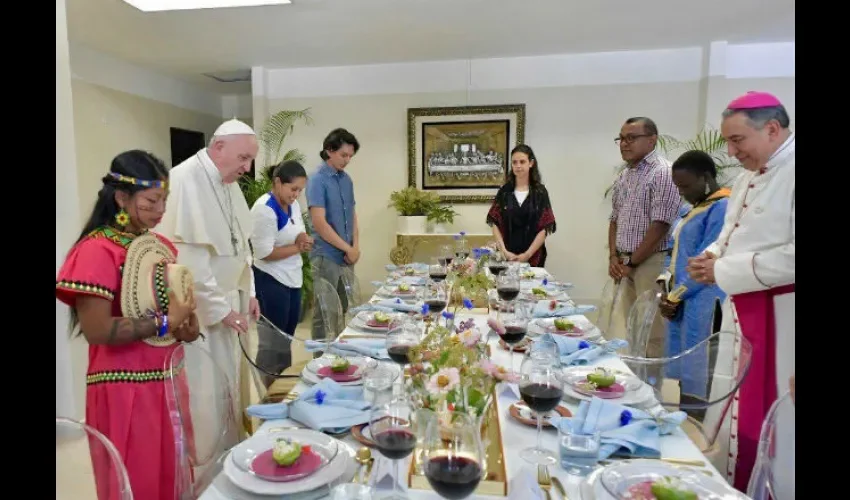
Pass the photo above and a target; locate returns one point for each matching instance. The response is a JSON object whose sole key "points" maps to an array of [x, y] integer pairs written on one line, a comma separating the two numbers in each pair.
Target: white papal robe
{"points": [[200, 212], [756, 260]]}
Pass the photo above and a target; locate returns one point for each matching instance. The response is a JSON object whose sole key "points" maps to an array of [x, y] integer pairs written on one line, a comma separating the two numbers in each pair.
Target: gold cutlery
{"points": [[559, 487], [544, 480], [364, 457], [675, 461]]}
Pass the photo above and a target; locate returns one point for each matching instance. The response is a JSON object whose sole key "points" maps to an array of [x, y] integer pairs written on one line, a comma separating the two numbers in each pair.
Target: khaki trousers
{"points": [[643, 279]]}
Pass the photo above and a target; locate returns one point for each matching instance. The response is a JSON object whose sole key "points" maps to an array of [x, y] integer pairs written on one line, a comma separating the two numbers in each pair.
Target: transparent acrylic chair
{"points": [[701, 381], [773, 475], [268, 352], [606, 318], [328, 306], [80, 451], [352, 291], [201, 398]]}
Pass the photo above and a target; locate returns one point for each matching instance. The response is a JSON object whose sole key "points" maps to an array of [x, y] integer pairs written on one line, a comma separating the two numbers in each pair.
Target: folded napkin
{"points": [[371, 308], [400, 305], [325, 406], [622, 429], [524, 486], [373, 348], [543, 310], [587, 356], [417, 266], [410, 280]]}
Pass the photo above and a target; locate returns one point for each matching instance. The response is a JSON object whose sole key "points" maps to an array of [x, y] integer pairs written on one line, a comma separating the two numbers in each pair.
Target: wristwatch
{"points": [[627, 261]]}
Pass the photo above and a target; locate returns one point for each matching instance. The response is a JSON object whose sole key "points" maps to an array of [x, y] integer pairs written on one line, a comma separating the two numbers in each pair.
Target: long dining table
{"points": [[515, 435]]}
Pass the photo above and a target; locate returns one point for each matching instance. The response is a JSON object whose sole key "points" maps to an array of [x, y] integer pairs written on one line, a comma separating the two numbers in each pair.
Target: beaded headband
{"points": [[138, 182]]}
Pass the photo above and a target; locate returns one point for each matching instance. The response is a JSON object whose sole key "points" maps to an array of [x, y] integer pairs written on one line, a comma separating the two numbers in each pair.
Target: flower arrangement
{"points": [[451, 372]]}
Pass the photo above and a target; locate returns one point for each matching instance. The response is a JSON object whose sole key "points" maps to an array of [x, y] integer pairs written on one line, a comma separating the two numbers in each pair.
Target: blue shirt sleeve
{"points": [[316, 192], [713, 225]]}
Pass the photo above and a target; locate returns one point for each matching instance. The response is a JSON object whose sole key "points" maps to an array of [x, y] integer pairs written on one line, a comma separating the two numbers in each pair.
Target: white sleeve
{"points": [[263, 232], [212, 303]]}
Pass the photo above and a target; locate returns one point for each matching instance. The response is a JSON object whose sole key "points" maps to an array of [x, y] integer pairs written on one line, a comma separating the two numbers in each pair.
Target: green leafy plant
{"points": [[271, 138], [441, 214], [708, 139], [412, 202]]}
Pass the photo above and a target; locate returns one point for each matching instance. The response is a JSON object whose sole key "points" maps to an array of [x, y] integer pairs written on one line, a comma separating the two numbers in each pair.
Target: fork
{"points": [[544, 480]]}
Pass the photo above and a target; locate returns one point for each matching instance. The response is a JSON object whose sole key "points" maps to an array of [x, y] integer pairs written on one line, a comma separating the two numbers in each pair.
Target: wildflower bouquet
{"points": [[469, 279], [451, 372]]}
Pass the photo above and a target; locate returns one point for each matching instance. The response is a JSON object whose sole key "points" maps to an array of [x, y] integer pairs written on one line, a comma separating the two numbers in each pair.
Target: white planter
{"points": [[411, 225], [436, 228]]}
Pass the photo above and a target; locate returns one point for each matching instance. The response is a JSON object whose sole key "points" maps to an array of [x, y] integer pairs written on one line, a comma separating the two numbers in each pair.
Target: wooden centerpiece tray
{"points": [[495, 482]]}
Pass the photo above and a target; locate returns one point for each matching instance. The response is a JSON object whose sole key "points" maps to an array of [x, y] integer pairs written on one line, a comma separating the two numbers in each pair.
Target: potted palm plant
{"points": [[412, 206], [271, 139]]}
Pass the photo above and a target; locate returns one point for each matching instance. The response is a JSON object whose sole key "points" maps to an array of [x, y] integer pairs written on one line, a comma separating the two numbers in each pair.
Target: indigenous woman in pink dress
{"points": [[125, 394]]}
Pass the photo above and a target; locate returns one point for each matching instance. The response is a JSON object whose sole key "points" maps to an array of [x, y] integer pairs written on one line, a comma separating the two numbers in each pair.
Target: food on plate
{"points": [[286, 451], [403, 287], [528, 275], [409, 271], [339, 365], [667, 488], [540, 292], [564, 325], [601, 378], [381, 317]]}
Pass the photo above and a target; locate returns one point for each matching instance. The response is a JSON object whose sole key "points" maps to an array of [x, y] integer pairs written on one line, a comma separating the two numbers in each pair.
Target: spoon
{"points": [[364, 457]]}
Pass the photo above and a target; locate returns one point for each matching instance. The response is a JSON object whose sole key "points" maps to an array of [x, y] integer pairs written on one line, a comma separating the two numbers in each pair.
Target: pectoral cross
{"points": [[235, 242]]}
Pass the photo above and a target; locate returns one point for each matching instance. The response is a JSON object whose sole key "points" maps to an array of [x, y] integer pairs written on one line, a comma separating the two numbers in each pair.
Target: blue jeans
{"points": [[282, 306]]}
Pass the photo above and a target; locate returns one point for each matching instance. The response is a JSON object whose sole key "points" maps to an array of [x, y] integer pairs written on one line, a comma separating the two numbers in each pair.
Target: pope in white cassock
{"points": [[209, 222], [753, 262]]}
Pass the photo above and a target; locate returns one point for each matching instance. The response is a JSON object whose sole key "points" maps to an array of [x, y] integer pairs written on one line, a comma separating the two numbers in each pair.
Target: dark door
{"points": [[184, 144]]}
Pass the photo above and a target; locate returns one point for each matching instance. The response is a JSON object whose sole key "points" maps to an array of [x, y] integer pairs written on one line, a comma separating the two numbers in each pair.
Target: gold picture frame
{"points": [[467, 149]]}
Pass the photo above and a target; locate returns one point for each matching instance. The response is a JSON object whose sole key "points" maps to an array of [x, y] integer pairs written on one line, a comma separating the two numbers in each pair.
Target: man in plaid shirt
{"points": [[645, 205]]}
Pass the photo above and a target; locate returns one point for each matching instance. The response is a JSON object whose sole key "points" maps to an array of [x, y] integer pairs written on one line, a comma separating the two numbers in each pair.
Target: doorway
{"points": [[184, 144]]}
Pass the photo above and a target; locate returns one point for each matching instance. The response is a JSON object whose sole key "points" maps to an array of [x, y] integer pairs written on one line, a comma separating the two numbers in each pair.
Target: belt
{"points": [[668, 252]]}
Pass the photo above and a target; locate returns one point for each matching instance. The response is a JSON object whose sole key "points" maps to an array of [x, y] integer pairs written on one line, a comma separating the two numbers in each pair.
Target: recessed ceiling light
{"points": [[163, 5]]}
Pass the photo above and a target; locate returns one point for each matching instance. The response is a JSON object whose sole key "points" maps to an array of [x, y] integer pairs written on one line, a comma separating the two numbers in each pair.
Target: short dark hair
{"points": [[648, 125], [288, 171], [337, 139], [696, 162]]}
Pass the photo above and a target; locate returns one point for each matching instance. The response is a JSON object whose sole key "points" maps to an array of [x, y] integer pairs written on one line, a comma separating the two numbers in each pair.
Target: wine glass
{"points": [[402, 337], [436, 298], [507, 286], [379, 379], [438, 271], [454, 456], [461, 249], [391, 426], [514, 329], [542, 389], [446, 255]]}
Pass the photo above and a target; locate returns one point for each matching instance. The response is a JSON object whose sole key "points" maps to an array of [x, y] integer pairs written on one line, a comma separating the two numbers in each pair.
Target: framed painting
{"points": [[462, 153]]}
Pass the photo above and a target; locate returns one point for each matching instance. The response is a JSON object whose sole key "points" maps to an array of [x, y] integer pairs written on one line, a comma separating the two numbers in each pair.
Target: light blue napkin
{"points": [[371, 308], [566, 345], [410, 280], [542, 310], [325, 406], [417, 266], [587, 356], [623, 430], [400, 305], [373, 348]]}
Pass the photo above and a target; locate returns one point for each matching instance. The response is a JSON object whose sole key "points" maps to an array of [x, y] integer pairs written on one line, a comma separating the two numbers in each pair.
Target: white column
{"points": [[259, 80], [67, 213], [713, 84]]}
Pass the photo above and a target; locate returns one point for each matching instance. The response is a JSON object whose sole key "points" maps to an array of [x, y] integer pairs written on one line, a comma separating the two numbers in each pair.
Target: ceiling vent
{"points": [[238, 76]]}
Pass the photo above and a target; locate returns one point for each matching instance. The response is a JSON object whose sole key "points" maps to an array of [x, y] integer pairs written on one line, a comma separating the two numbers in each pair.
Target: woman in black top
{"points": [[521, 215]]}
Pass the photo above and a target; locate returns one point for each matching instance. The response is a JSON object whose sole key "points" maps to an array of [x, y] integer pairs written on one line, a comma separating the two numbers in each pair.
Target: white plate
{"points": [[616, 478], [247, 452], [540, 326], [391, 291], [312, 379], [639, 397], [360, 321], [320, 479], [362, 363]]}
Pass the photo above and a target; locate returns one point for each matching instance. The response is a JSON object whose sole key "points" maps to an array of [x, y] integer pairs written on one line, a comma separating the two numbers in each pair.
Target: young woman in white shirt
{"points": [[278, 239]]}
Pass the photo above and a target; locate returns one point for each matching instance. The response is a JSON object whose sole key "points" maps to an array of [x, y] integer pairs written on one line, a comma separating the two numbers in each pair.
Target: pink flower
{"points": [[443, 381], [497, 326], [469, 337], [497, 372]]}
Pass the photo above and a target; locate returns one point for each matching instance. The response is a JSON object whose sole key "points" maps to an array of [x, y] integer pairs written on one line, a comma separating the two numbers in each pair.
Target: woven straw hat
{"points": [[149, 271]]}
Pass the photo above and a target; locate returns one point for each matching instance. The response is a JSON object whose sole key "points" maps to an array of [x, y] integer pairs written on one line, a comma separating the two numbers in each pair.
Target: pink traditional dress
{"points": [[125, 393]]}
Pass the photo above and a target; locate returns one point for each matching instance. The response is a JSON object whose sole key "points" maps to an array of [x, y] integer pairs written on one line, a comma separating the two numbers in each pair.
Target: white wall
{"points": [[575, 105], [67, 215]]}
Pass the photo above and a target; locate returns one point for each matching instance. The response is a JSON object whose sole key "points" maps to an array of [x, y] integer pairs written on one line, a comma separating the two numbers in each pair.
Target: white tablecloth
{"points": [[516, 436]]}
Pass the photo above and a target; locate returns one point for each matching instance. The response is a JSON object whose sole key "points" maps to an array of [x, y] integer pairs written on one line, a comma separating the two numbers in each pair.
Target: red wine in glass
{"points": [[541, 397], [453, 477], [395, 444], [399, 353], [496, 268], [461, 255], [444, 261], [437, 276], [508, 293], [436, 306], [513, 334]]}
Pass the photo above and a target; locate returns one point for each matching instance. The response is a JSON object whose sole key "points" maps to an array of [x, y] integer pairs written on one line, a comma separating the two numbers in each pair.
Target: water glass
{"points": [[579, 452]]}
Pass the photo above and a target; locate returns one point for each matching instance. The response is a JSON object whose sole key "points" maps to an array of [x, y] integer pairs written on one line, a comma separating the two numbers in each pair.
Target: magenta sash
{"points": [[757, 323]]}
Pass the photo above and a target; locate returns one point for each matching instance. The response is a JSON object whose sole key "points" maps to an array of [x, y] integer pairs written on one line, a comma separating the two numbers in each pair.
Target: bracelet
{"points": [[163, 329]]}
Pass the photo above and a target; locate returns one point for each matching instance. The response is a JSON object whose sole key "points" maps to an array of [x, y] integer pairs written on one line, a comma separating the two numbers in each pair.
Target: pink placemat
{"points": [[641, 491], [346, 376], [307, 463], [613, 391], [573, 332], [376, 324]]}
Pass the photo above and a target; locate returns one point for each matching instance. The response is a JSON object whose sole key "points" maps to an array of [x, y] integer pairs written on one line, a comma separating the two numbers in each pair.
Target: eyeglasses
{"points": [[630, 138]]}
